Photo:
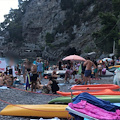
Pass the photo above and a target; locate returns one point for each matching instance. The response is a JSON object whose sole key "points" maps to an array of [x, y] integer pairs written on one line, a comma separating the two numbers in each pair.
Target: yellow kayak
{"points": [[46, 110]]}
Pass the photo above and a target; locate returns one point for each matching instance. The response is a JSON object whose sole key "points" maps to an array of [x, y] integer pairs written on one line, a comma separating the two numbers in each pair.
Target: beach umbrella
{"points": [[74, 58], [104, 59]]}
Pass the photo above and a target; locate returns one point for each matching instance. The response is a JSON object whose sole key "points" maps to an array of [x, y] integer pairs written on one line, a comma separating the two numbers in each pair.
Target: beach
{"points": [[15, 96]]}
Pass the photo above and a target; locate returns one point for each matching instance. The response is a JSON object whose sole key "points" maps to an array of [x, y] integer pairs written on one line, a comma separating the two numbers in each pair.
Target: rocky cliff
{"points": [[56, 28]]}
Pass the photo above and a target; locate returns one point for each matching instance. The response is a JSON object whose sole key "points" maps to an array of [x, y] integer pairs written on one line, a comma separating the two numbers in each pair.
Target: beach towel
{"points": [[4, 87], [28, 82], [94, 111], [95, 101], [80, 69]]}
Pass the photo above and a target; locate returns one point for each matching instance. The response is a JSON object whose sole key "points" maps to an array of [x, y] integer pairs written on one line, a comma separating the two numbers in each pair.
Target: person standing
{"points": [[39, 69], [60, 66], [107, 64], [96, 69], [34, 78], [88, 63], [23, 71]]}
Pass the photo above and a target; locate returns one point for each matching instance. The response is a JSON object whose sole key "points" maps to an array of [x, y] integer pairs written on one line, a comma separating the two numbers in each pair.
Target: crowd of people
{"points": [[33, 73], [87, 70], [32, 76]]}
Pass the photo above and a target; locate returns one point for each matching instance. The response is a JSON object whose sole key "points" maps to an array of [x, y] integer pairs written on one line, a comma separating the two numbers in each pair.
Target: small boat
{"points": [[95, 87], [102, 92], [66, 100], [45, 110]]}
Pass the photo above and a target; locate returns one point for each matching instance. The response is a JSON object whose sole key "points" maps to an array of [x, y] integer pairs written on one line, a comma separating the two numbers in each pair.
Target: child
{"points": [[53, 85], [34, 77]]}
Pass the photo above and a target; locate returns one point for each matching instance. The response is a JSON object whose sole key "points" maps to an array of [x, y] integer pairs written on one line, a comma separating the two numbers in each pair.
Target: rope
{"points": [[33, 92]]}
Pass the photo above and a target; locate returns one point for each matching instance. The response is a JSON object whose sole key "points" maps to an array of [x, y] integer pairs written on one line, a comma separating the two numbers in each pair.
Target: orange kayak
{"points": [[102, 92], [95, 87]]}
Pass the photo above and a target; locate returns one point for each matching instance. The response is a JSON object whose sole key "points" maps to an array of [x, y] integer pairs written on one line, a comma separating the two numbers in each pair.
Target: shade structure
{"points": [[74, 58]]}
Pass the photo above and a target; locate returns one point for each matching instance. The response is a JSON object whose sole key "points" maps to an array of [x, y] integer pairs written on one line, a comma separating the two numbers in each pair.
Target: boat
{"points": [[45, 111], [66, 100], [95, 87], [102, 92]]}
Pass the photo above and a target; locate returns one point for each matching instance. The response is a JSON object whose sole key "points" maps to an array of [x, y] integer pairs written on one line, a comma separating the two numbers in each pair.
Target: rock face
{"points": [[43, 17]]}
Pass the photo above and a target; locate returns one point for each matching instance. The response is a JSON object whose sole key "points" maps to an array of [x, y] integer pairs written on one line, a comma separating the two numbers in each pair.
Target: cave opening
{"points": [[70, 51]]}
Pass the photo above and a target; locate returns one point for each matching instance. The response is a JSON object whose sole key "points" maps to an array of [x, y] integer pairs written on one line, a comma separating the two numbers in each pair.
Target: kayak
{"points": [[102, 92], [113, 68], [116, 66], [66, 100], [46, 110], [95, 87]]}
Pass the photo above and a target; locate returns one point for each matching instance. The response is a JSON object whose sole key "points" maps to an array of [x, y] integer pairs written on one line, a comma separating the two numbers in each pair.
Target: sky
{"points": [[5, 6]]}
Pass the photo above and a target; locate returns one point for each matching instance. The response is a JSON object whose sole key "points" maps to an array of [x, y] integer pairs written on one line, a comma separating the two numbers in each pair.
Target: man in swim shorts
{"points": [[88, 63]]}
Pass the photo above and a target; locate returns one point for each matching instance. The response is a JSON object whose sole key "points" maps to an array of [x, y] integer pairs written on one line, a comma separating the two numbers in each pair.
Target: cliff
{"points": [[56, 28]]}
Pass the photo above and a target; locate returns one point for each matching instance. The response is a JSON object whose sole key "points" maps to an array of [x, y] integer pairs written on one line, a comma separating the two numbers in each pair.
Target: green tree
{"points": [[13, 22], [109, 32], [49, 38]]}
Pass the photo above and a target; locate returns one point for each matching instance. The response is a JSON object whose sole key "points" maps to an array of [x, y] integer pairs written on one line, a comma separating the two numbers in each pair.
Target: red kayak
{"points": [[102, 92], [95, 87]]}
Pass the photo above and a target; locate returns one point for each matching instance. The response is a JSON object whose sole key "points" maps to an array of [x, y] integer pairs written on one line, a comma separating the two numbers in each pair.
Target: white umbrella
{"points": [[104, 59]]}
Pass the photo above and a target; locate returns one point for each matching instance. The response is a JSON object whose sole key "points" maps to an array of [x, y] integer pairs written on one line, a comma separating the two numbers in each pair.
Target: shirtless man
{"points": [[88, 63]]}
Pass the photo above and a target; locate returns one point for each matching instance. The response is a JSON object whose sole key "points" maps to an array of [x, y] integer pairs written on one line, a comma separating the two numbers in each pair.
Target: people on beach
{"points": [[60, 65], [96, 69], [39, 68], [23, 71], [68, 72], [53, 85], [34, 77], [1, 79], [88, 63]]}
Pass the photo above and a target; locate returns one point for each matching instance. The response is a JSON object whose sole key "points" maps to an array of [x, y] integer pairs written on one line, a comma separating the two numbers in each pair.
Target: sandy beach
{"points": [[21, 97]]}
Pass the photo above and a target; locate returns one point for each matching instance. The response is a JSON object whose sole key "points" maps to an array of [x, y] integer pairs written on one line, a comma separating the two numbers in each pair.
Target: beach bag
{"points": [[104, 71]]}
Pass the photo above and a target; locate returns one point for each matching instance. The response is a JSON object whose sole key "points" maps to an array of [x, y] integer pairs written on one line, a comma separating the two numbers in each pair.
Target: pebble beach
{"points": [[15, 96]]}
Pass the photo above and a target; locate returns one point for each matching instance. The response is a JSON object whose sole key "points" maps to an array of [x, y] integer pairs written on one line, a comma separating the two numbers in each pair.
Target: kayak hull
{"points": [[47, 111], [102, 92], [95, 87], [66, 100]]}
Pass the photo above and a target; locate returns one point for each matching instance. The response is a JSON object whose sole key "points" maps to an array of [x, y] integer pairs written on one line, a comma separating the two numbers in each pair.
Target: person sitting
{"points": [[78, 81], [53, 85], [39, 85], [1, 79], [8, 80], [54, 75]]}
